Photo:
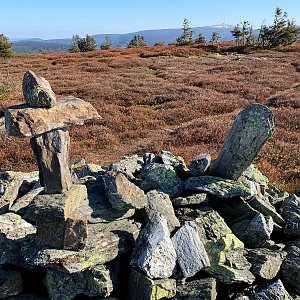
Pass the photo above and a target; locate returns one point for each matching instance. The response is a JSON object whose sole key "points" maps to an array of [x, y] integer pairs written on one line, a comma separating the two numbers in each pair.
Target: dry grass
{"points": [[181, 99]]}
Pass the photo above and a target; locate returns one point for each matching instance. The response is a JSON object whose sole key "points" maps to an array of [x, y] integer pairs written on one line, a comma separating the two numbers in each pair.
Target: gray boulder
{"points": [[200, 164], [201, 198], [37, 91], [10, 283], [252, 127], [154, 253], [291, 214], [159, 202], [176, 162], [191, 254], [128, 166]]}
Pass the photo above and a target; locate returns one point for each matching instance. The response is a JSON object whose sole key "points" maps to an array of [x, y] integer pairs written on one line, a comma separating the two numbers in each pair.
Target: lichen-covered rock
{"points": [[159, 202], [160, 177], [123, 194], [10, 283], [255, 232], [265, 263], [63, 286], [176, 162], [191, 254], [196, 199], [252, 127], [143, 288], [14, 232], [202, 289], [37, 91], [271, 291], [253, 174], [224, 249], [291, 214], [291, 265], [129, 166], [223, 188], [154, 253], [199, 165]]}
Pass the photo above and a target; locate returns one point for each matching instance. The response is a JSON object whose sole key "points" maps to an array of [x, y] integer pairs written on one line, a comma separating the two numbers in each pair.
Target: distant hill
{"points": [[167, 36]]}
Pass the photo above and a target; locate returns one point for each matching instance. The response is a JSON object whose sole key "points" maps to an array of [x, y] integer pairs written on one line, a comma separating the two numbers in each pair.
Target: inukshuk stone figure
{"points": [[46, 120]]}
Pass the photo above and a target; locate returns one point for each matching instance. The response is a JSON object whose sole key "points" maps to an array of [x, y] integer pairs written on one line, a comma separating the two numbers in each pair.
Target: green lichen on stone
{"points": [[92, 261], [164, 288], [253, 174]]}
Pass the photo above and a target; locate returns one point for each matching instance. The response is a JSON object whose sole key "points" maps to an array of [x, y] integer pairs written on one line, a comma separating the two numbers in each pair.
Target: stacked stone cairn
{"points": [[143, 228]]}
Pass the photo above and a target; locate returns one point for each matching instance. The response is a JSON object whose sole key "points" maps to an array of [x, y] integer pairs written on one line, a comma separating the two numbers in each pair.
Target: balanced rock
{"points": [[252, 127], [154, 253], [159, 202], [191, 254], [291, 213], [265, 263], [37, 91], [202, 289], [160, 177], [52, 153], [223, 188], [291, 265], [24, 121], [199, 165], [143, 288], [123, 194], [10, 283]]}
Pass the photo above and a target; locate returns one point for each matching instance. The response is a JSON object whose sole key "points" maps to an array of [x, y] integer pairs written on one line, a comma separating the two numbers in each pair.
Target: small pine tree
{"points": [[245, 31], [160, 44], [237, 33], [107, 44], [75, 44], [200, 39], [187, 35], [137, 41], [90, 43], [215, 37], [5, 47]]}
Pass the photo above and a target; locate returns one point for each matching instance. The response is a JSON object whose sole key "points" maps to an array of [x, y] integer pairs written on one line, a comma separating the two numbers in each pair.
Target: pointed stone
{"points": [[154, 253], [199, 164], [191, 254], [37, 91], [252, 127], [52, 154]]}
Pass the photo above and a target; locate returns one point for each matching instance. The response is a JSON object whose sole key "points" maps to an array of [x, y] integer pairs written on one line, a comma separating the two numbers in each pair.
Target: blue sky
{"points": [[59, 19]]}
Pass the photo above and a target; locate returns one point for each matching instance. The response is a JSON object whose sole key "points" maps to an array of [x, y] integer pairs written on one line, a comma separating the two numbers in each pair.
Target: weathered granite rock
{"points": [[271, 291], [291, 265], [255, 232], [250, 130], [14, 232], [123, 194], [129, 166], [176, 162], [104, 243], [11, 183], [92, 283], [83, 173], [191, 254], [160, 203], [143, 288], [154, 253], [291, 213], [37, 91], [223, 188], [224, 249], [265, 263], [10, 283], [196, 199], [70, 234], [21, 204], [56, 207], [52, 154], [202, 289], [24, 121], [253, 174], [199, 165], [162, 178]]}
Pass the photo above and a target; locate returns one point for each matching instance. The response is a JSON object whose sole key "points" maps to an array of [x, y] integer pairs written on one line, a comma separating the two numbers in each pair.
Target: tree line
{"points": [[282, 32]]}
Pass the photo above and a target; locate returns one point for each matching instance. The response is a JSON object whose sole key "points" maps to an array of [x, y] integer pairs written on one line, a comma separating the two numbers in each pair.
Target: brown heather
{"points": [[181, 99]]}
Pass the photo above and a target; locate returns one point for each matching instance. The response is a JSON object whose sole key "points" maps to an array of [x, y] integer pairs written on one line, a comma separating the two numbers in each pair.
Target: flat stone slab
{"points": [[24, 121]]}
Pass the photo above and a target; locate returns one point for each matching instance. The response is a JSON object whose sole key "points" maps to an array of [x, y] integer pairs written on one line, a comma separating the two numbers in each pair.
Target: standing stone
{"points": [[250, 130], [10, 283], [154, 253], [191, 254], [37, 91], [200, 164], [52, 153]]}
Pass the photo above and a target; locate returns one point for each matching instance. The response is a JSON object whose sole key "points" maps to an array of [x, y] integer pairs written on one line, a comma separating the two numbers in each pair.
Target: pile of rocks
{"points": [[144, 228]]}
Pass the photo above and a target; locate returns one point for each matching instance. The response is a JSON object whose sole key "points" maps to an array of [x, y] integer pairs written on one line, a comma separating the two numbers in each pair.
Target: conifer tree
{"points": [[106, 45], [200, 39], [237, 33], [75, 44], [187, 34], [137, 41], [90, 43], [5, 47], [215, 37]]}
